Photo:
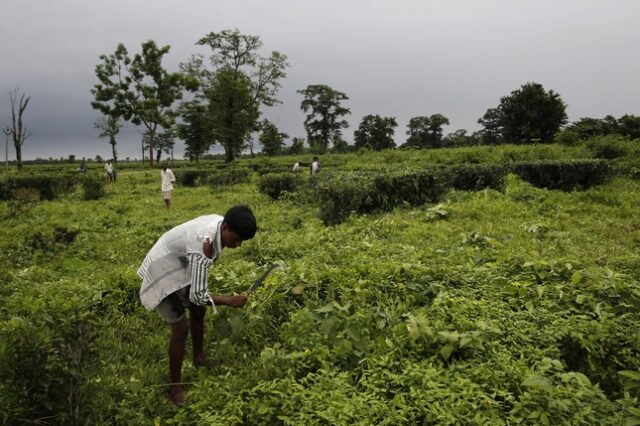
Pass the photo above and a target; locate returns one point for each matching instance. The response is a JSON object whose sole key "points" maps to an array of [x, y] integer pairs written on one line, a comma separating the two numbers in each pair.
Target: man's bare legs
{"points": [[197, 334], [179, 332]]}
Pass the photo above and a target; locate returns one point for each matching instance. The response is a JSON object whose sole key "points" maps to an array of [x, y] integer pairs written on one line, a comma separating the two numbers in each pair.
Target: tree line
{"points": [[217, 99]]}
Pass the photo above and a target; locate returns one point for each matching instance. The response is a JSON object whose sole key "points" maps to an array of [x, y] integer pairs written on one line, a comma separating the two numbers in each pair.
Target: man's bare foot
{"points": [[201, 361], [177, 395]]}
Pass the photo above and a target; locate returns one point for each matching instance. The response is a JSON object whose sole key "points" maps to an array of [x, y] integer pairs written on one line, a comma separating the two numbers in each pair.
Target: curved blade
{"points": [[263, 277]]}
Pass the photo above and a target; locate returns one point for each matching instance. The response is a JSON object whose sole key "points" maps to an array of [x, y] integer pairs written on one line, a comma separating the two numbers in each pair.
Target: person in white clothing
{"points": [[315, 166], [108, 168], [175, 278], [168, 179], [296, 167]]}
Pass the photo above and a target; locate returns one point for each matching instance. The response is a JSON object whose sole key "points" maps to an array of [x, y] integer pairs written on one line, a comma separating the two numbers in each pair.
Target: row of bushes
{"points": [[230, 176], [340, 193], [51, 186]]}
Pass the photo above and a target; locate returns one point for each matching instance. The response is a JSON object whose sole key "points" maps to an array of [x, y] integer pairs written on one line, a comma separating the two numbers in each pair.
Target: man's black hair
{"points": [[241, 221]]}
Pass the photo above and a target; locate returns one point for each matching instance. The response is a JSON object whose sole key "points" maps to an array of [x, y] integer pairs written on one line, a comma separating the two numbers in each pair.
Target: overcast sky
{"points": [[395, 58]]}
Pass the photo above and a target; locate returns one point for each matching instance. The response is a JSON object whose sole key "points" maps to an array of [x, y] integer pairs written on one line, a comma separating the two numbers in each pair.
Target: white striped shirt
{"points": [[177, 260]]}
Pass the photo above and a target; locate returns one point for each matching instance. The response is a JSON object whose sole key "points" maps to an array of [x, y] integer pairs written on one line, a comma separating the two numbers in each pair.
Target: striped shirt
{"points": [[177, 260]]}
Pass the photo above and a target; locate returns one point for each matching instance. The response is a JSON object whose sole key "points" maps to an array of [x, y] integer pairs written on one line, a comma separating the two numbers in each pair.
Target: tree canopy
{"points": [[324, 122], [375, 132], [139, 89], [531, 114], [238, 82], [425, 132]]}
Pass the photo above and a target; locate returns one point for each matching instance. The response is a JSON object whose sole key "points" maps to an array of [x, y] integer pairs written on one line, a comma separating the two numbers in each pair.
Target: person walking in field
{"points": [[174, 278], [315, 166], [108, 168], [168, 179], [296, 167]]}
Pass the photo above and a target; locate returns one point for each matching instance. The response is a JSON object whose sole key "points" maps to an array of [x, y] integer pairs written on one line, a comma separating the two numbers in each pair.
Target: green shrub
{"points": [[49, 186], [475, 177], [230, 176], [276, 184], [192, 178], [608, 147], [565, 175], [93, 187], [364, 193]]}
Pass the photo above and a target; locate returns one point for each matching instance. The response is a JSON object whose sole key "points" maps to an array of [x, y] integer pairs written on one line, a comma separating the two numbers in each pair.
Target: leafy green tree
{"points": [[460, 138], [139, 89], [109, 126], [194, 130], [18, 131], [238, 82], [491, 121], [271, 138], [375, 132], [531, 114], [323, 122], [629, 126], [425, 132], [297, 146], [232, 111], [165, 141]]}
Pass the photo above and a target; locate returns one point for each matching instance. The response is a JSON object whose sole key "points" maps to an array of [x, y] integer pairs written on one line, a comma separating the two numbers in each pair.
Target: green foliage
{"points": [[48, 186], [229, 96], [375, 132], [93, 187], [609, 147], [230, 176], [564, 175], [271, 138], [425, 132], [475, 177], [517, 306], [138, 89], [275, 185], [323, 122], [191, 178], [528, 114], [340, 195]]}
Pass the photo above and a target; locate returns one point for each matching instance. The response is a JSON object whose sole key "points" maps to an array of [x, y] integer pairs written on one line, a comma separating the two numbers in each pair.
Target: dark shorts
{"points": [[173, 307]]}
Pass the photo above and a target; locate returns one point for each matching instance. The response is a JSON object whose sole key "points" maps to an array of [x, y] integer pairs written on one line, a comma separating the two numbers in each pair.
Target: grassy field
{"points": [[519, 306]]}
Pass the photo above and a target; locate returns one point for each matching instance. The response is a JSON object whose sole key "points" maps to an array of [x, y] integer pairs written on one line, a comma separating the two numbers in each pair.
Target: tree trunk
{"points": [[230, 152], [18, 156], [114, 154]]}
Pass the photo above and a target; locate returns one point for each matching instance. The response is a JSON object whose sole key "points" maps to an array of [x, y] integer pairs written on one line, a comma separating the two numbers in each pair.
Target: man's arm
{"points": [[199, 267]]}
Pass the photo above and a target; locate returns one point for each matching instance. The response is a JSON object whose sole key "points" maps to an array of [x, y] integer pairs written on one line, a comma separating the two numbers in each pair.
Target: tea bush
{"points": [[49, 186], [93, 187], [191, 178], [229, 176], [277, 184], [564, 175]]}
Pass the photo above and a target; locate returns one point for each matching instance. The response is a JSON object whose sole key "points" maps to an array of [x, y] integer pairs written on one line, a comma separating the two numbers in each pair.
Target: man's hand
{"points": [[237, 301]]}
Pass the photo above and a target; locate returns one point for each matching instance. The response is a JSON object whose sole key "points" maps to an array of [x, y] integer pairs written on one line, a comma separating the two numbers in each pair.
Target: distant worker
{"points": [[168, 178], [108, 168], [296, 167], [315, 166]]}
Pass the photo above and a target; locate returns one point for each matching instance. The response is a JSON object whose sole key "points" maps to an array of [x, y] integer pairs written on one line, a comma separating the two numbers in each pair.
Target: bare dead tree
{"points": [[19, 102]]}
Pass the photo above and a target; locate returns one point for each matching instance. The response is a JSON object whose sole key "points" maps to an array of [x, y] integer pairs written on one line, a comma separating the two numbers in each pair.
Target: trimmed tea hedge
{"points": [[192, 178], [49, 186], [565, 175], [276, 184], [364, 193], [229, 177]]}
